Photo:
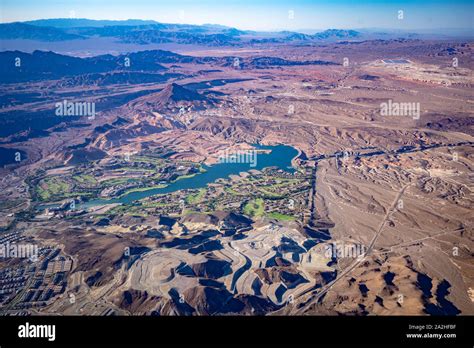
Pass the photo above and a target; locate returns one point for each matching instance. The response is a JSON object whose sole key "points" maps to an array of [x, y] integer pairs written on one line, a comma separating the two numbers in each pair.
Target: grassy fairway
{"points": [[85, 180], [52, 187], [197, 197], [255, 208], [281, 217], [140, 189]]}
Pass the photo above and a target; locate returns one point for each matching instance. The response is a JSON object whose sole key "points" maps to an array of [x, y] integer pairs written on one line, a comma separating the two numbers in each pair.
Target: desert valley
{"points": [[206, 170]]}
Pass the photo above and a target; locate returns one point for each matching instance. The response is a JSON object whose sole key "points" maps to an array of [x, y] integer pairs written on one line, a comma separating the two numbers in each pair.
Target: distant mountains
{"points": [[41, 65], [83, 22], [144, 32], [337, 33], [30, 32]]}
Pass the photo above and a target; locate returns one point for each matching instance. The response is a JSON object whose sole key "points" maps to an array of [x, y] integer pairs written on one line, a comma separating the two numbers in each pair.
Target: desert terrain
{"points": [[349, 210]]}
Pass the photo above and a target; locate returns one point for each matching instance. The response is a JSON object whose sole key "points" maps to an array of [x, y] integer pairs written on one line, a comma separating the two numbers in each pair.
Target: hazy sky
{"points": [[257, 14]]}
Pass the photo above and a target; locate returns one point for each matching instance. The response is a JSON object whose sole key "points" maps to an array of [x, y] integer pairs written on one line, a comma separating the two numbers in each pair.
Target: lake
{"points": [[280, 156]]}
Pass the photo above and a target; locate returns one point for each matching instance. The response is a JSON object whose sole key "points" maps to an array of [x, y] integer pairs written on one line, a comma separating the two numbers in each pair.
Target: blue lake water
{"points": [[280, 156]]}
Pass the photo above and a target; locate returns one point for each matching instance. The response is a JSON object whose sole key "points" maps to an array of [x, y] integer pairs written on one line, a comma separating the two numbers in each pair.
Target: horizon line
{"points": [[233, 27]]}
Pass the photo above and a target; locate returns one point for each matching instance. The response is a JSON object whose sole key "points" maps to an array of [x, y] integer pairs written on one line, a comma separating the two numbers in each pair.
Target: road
{"points": [[323, 290]]}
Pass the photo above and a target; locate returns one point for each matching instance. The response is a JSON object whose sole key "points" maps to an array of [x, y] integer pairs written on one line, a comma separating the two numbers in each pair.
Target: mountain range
{"points": [[146, 32], [42, 65]]}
